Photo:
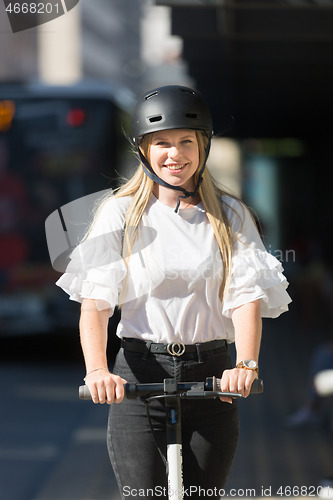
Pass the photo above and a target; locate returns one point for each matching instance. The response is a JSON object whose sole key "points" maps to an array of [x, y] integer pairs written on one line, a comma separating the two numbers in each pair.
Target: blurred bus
{"points": [[57, 144]]}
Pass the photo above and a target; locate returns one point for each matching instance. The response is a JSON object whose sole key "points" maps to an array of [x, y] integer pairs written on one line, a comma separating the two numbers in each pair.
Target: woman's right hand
{"points": [[105, 387]]}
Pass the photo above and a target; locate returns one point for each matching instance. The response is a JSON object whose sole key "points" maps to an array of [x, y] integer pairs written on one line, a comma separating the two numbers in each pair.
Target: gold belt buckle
{"points": [[176, 348]]}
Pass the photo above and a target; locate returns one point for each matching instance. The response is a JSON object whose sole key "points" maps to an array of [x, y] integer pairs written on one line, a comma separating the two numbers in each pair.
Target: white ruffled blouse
{"points": [[169, 287]]}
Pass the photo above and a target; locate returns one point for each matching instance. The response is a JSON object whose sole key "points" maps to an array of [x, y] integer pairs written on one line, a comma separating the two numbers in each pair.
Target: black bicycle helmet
{"points": [[166, 108], [170, 107]]}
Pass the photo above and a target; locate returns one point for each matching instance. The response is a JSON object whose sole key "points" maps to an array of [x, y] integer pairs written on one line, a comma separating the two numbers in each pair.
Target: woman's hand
{"points": [[237, 380], [105, 387]]}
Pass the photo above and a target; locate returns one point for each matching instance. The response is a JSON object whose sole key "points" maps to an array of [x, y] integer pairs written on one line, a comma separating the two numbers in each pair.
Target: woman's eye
{"points": [[166, 144]]}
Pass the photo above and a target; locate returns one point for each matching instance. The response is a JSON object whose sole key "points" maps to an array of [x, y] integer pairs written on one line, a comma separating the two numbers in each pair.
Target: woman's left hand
{"points": [[237, 380]]}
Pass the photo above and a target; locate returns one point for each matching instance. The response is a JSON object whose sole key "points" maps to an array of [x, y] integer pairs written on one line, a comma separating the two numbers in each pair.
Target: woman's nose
{"points": [[174, 152]]}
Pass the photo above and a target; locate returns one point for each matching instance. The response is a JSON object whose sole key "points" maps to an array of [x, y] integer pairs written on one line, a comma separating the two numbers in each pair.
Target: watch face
{"points": [[250, 363]]}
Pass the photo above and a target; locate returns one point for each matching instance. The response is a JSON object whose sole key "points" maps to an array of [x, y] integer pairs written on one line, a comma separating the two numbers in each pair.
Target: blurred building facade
{"points": [[126, 42], [18, 57], [110, 39]]}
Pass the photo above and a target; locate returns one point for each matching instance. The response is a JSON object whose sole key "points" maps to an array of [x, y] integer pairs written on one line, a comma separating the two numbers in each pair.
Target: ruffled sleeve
{"points": [[255, 273], [96, 269]]}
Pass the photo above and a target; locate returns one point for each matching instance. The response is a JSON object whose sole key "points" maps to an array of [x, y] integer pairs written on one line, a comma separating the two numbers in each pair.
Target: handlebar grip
{"points": [[130, 391], [84, 392], [257, 386]]}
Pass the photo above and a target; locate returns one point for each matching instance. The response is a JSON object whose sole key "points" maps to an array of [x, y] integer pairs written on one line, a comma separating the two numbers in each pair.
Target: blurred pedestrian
{"points": [[315, 413]]}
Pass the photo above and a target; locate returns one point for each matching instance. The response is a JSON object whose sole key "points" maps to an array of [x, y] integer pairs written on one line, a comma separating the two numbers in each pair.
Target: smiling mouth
{"points": [[176, 168]]}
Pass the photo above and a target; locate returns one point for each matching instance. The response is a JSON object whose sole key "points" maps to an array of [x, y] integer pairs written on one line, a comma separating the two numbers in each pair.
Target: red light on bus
{"points": [[76, 117], [7, 112]]}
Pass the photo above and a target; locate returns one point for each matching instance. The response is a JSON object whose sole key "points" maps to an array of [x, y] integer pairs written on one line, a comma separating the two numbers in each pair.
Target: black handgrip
{"points": [[214, 384], [136, 390], [257, 386], [84, 392]]}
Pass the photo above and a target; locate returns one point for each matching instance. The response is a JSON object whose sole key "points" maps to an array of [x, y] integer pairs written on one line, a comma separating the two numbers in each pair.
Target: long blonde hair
{"points": [[140, 188]]}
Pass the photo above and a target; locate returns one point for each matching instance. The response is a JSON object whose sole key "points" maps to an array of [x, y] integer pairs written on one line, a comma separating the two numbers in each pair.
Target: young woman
{"points": [[186, 264]]}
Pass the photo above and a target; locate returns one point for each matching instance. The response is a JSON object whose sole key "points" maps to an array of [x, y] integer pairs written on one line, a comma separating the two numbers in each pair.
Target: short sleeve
{"points": [[255, 273], [96, 269]]}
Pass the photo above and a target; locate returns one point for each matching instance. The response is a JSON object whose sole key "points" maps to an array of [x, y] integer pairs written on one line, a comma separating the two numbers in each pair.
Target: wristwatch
{"points": [[248, 364]]}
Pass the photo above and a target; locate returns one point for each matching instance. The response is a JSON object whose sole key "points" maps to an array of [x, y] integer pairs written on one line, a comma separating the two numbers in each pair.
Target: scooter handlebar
{"points": [[210, 388]]}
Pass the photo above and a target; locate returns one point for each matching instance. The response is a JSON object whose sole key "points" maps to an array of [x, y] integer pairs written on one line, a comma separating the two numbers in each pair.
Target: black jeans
{"points": [[209, 427]]}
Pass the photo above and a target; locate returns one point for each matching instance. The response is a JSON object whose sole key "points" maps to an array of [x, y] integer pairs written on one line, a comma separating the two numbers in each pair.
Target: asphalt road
{"points": [[53, 446]]}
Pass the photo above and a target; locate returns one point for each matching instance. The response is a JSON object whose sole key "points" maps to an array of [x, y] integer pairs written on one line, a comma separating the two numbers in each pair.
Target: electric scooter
{"points": [[172, 392]]}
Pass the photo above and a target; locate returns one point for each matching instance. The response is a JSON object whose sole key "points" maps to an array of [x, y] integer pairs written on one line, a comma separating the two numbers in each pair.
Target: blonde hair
{"points": [[211, 198], [140, 188]]}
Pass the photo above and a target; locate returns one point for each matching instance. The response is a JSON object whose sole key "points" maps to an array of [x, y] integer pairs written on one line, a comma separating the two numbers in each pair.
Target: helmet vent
{"points": [[154, 119], [188, 91], [150, 95], [191, 115]]}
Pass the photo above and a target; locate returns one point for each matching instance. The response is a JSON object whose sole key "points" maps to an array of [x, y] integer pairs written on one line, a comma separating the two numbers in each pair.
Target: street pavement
{"points": [[53, 446]]}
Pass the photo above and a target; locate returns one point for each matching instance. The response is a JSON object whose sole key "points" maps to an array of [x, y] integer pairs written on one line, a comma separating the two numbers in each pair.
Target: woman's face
{"points": [[174, 156]]}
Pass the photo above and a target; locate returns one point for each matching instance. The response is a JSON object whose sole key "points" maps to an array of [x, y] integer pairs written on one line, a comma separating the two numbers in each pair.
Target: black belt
{"points": [[173, 348]]}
